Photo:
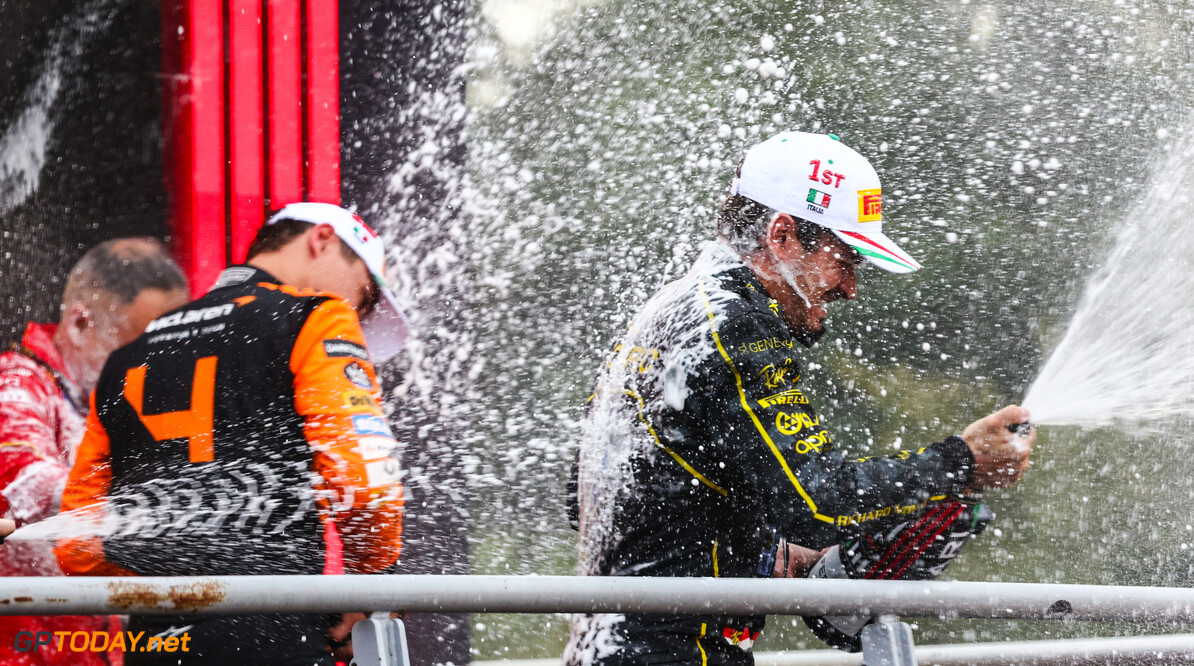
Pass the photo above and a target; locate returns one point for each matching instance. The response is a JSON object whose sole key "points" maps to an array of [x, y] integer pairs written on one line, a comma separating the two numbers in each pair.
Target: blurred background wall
{"points": [[189, 120]]}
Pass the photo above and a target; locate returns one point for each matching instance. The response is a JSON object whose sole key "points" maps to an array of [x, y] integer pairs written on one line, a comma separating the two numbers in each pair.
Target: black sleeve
{"points": [[784, 455]]}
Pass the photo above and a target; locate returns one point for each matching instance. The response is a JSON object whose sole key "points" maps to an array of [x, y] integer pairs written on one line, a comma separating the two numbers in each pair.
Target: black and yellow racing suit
{"points": [[699, 445]]}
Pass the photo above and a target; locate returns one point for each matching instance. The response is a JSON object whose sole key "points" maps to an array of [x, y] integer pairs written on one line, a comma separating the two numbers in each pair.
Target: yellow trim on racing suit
{"points": [[651, 429], [746, 406]]}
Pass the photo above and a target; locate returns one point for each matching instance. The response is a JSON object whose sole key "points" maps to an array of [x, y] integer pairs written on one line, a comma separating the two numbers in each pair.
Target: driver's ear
{"points": [[77, 319], [319, 239], [781, 229]]}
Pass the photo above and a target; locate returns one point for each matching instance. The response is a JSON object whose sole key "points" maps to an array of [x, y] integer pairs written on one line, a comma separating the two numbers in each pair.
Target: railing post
{"points": [[379, 641], [887, 642]]}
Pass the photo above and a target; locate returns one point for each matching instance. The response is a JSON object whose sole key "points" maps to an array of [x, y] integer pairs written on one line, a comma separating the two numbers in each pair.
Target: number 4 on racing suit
{"points": [[240, 434]]}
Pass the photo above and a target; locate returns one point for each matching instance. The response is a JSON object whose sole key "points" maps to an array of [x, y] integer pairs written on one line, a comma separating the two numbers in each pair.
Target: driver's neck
{"points": [[288, 264], [794, 308]]}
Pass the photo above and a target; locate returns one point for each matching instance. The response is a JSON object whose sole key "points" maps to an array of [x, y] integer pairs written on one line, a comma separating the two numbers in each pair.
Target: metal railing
{"points": [[590, 594], [569, 594]]}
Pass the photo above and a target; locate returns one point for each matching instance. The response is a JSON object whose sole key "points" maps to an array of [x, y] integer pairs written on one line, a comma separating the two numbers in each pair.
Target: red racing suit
{"points": [[41, 424]]}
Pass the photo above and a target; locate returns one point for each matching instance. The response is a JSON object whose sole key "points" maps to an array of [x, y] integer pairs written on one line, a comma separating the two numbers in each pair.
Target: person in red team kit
{"points": [[243, 434], [111, 294]]}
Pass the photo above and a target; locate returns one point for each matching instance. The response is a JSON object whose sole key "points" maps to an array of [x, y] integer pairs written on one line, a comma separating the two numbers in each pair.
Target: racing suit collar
{"points": [[39, 340], [242, 273], [37, 343], [752, 289]]}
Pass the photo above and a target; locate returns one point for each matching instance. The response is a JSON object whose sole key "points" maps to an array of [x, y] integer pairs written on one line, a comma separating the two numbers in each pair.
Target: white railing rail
{"points": [[584, 594], [381, 641]]}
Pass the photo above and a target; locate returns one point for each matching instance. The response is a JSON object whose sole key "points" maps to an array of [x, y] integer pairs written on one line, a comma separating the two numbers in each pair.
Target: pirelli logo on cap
{"points": [[345, 349], [870, 205]]}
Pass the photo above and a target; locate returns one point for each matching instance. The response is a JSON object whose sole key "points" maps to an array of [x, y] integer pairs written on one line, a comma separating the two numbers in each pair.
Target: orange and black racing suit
{"points": [[240, 434], [699, 446]]}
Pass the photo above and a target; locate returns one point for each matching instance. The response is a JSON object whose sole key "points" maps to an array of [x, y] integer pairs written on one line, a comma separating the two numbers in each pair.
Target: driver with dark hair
{"points": [[701, 454]]}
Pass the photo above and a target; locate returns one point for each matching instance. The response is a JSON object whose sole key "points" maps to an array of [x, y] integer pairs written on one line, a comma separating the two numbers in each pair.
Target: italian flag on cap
{"points": [[879, 250], [817, 178]]}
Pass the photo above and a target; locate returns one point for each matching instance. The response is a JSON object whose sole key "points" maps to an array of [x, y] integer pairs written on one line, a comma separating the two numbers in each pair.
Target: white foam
{"points": [[1128, 354], [23, 145], [25, 141], [670, 333]]}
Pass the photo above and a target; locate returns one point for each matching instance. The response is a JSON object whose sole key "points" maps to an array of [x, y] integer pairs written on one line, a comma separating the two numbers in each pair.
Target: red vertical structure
{"points": [[246, 110], [193, 64], [252, 120], [323, 101], [284, 65]]}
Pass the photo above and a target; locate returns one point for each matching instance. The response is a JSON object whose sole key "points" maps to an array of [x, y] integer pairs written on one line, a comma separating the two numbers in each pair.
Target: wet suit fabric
{"points": [[658, 640], [704, 392], [41, 423], [240, 434]]}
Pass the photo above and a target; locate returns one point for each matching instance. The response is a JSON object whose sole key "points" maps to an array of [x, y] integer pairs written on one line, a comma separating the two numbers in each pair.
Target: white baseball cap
{"points": [[817, 178], [386, 328]]}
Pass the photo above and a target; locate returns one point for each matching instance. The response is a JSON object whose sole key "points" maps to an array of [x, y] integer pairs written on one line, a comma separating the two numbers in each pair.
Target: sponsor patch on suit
{"points": [[368, 424], [345, 349]]}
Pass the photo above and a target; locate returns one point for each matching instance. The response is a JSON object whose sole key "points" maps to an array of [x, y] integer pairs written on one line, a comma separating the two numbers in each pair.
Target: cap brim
{"points": [[386, 328], [879, 250]]}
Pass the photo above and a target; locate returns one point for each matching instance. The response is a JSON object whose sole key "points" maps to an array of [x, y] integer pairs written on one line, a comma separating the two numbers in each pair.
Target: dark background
{"points": [[103, 171], [103, 178]]}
